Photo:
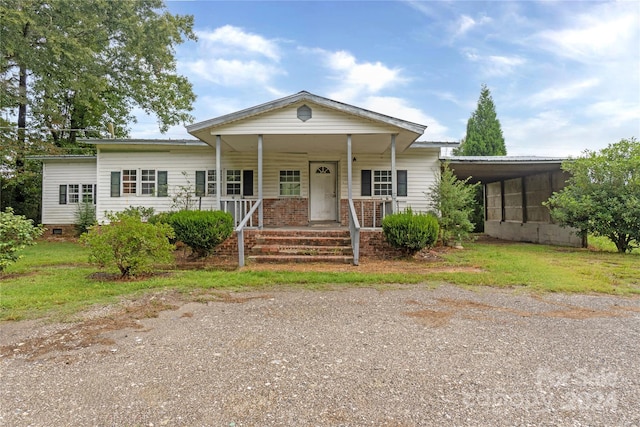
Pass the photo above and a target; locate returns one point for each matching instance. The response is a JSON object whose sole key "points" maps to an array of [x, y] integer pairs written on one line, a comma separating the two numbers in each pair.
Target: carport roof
{"points": [[496, 168]]}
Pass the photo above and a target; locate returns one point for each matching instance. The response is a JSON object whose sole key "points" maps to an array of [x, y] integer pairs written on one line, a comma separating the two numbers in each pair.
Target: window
{"points": [[382, 183], [211, 182], [129, 181], [74, 193], [234, 182], [148, 182], [289, 183], [87, 193]]}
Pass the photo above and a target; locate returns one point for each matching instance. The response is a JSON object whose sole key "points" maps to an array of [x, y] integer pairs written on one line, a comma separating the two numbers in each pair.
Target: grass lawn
{"points": [[53, 278]]}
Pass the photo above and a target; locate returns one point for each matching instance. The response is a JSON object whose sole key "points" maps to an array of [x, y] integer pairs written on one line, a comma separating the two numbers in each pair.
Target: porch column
{"points": [[349, 168], [260, 208], [218, 171], [394, 175]]}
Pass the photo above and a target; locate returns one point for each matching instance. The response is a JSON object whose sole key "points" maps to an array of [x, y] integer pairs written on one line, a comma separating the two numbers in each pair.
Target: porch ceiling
{"points": [[315, 143]]}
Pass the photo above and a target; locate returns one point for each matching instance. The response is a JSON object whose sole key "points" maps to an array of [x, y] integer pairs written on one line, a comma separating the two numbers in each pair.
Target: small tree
{"points": [[132, 245], [602, 196], [455, 201], [16, 233], [85, 217]]}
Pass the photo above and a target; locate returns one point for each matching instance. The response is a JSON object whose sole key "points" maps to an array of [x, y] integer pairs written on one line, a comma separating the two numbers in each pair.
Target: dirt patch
{"points": [[441, 313], [91, 332]]}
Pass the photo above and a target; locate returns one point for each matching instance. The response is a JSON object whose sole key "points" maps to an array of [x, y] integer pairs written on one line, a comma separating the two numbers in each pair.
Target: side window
{"points": [[129, 181], [382, 185], [211, 182], [148, 177], [74, 193], [234, 182]]}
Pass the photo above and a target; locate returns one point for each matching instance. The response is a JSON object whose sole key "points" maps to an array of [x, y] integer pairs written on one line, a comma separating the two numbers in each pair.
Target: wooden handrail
{"points": [[240, 232]]}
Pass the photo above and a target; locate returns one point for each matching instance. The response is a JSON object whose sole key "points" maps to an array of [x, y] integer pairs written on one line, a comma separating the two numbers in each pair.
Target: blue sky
{"points": [[565, 76]]}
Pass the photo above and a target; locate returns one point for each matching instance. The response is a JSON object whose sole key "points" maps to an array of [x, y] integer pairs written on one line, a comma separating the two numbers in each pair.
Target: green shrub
{"points": [[140, 211], [16, 233], [161, 218], [202, 231], [135, 247], [85, 217], [409, 231]]}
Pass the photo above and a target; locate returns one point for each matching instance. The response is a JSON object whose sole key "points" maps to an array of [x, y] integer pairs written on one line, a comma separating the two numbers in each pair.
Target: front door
{"points": [[323, 200]]}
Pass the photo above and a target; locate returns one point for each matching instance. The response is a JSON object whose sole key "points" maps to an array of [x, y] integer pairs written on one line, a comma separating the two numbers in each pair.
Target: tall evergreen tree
{"points": [[484, 133]]}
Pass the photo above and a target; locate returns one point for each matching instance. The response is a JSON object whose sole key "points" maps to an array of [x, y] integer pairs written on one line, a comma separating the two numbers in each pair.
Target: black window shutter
{"points": [[62, 199], [365, 182], [95, 193], [163, 187], [402, 183], [201, 177], [115, 184], [247, 183]]}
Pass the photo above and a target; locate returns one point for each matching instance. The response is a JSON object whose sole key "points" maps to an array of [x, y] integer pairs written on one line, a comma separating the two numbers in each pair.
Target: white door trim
{"points": [[326, 208]]}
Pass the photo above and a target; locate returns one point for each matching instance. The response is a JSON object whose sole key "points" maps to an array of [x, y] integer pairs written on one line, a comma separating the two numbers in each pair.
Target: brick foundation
{"points": [[374, 245], [60, 231], [292, 212]]}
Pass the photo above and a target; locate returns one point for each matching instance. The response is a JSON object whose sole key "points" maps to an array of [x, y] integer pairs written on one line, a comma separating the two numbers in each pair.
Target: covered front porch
{"points": [[303, 150]]}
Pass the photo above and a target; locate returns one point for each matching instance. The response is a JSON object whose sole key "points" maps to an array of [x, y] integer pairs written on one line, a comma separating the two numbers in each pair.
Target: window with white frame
{"points": [[234, 182], [290, 183], [382, 183], [139, 182], [211, 182], [148, 177], [129, 181], [87, 193], [74, 193]]}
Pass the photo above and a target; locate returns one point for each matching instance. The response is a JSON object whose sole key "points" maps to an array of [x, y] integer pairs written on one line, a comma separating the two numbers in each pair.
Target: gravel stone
{"points": [[396, 356]]}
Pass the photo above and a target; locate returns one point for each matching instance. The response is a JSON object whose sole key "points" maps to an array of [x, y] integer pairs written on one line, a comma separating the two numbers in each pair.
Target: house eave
{"points": [[132, 142], [308, 97]]}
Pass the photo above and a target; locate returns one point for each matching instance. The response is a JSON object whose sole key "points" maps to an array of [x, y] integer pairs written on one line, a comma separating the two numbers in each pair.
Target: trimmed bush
{"points": [[202, 231], [135, 247], [16, 233], [409, 231]]}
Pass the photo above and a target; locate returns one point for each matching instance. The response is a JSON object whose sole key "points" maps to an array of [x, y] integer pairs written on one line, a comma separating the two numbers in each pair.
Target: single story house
{"points": [[297, 162]]}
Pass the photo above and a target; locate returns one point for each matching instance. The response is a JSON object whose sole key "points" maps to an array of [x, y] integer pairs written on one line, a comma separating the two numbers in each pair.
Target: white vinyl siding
{"points": [[324, 120], [173, 161], [56, 173]]}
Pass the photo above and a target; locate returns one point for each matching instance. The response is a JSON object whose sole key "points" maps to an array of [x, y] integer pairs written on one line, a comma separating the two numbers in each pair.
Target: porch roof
{"points": [[370, 130], [488, 169]]}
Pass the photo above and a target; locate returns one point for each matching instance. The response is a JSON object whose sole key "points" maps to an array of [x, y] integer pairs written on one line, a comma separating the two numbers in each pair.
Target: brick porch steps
{"points": [[283, 246]]}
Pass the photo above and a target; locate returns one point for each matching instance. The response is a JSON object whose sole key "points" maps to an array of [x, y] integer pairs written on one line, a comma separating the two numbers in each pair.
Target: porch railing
{"points": [[378, 209], [240, 230], [238, 208], [354, 232]]}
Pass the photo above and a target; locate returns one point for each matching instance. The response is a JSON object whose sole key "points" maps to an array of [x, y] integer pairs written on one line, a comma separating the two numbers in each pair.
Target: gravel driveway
{"points": [[402, 356]]}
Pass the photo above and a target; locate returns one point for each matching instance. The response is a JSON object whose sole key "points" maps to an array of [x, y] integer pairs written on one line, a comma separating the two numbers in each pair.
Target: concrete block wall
{"points": [[544, 233]]}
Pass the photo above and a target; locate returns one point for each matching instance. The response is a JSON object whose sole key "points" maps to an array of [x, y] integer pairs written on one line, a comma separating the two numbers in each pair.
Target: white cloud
{"points": [[562, 92], [466, 23], [360, 78], [233, 72], [230, 56], [615, 113], [230, 39], [494, 65], [606, 32], [398, 107]]}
